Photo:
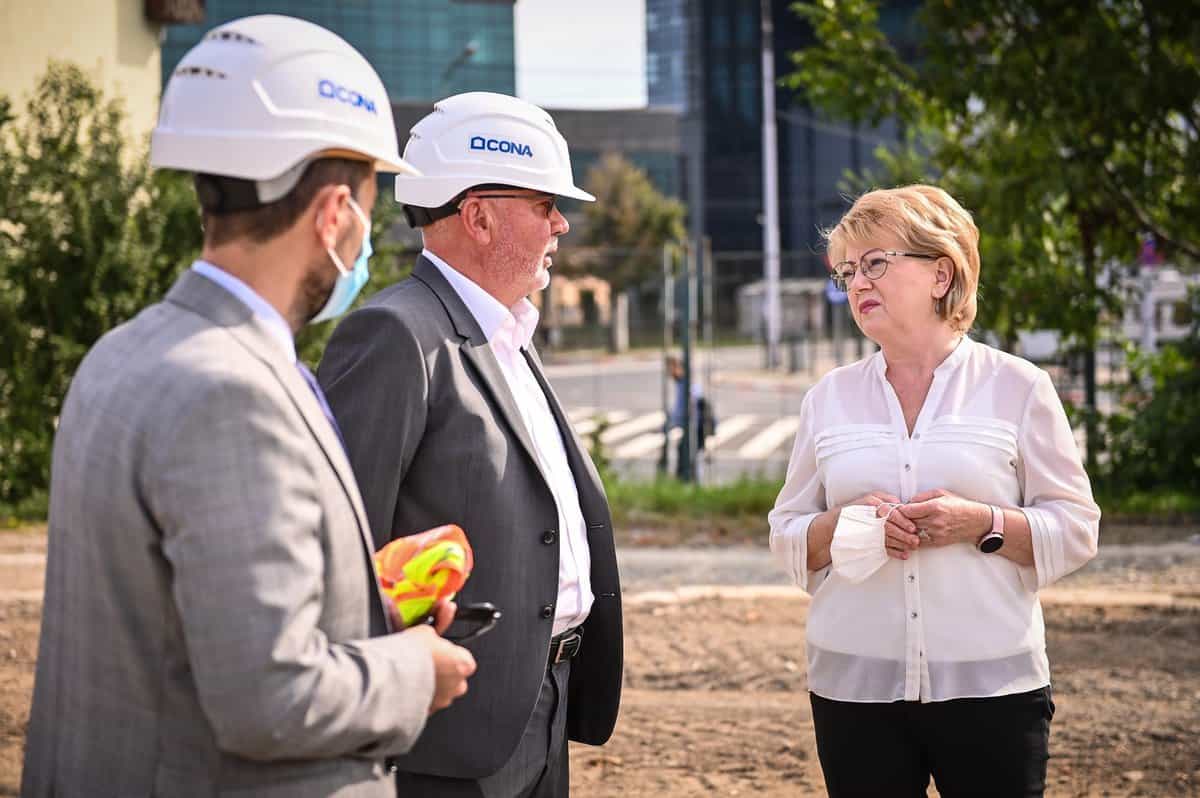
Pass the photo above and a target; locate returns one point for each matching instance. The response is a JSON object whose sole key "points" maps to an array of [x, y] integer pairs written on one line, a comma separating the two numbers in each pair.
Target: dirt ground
{"points": [[715, 700]]}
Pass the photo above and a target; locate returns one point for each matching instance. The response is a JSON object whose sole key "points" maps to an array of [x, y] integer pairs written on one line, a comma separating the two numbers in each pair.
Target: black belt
{"points": [[565, 646]]}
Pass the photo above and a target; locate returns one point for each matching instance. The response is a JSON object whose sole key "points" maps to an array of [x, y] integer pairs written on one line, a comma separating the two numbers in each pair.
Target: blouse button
{"points": [[912, 578], [907, 467], [914, 615]]}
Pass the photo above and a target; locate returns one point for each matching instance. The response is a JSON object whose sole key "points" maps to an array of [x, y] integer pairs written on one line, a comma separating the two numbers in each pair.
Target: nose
{"points": [[859, 282], [558, 223]]}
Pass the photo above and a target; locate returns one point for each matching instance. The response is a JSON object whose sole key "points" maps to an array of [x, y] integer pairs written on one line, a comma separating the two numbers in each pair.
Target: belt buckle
{"points": [[568, 642]]}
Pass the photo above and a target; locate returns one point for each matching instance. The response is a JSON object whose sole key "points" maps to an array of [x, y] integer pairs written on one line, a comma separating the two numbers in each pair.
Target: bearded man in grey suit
{"points": [[212, 622], [448, 417]]}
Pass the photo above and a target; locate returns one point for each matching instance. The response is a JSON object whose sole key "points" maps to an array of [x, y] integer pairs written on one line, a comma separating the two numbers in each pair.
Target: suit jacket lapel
{"points": [[200, 295], [479, 354]]}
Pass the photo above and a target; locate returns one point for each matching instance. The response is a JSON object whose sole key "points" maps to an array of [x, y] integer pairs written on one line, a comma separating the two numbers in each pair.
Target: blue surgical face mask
{"points": [[349, 281]]}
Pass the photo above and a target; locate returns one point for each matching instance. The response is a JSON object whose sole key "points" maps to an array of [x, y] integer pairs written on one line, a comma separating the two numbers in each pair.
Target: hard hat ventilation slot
{"points": [[230, 36], [200, 72]]}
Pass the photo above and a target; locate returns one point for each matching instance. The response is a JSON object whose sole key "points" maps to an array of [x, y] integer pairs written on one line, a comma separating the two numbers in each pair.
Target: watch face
{"points": [[992, 542]]}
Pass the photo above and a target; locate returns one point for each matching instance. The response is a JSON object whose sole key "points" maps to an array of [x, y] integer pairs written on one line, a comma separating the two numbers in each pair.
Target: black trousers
{"points": [[539, 768], [970, 746]]}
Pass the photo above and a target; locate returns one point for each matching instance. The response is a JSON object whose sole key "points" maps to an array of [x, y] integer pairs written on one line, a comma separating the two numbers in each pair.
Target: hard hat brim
{"points": [[578, 194], [397, 166], [424, 191]]}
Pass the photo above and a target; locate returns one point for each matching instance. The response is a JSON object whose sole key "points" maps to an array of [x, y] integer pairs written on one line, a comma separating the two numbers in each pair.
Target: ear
{"points": [[943, 276], [328, 206], [477, 220]]}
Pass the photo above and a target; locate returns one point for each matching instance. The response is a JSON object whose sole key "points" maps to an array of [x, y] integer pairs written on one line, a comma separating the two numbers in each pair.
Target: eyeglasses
{"points": [[471, 621], [551, 198], [873, 263]]}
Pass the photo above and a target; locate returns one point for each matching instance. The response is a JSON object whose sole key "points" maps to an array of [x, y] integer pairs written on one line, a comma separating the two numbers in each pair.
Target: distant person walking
{"points": [[933, 489], [702, 422]]}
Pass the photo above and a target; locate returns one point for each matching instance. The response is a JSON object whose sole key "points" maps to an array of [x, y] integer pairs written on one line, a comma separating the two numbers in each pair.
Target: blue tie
{"points": [[311, 379]]}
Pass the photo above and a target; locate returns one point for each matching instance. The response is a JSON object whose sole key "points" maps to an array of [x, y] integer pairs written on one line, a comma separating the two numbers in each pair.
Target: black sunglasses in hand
{"points": [[471, 621]]}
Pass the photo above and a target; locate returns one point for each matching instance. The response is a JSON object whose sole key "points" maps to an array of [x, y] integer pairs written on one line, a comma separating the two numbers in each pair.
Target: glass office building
{"points": [[423, 49], [704, 60]]}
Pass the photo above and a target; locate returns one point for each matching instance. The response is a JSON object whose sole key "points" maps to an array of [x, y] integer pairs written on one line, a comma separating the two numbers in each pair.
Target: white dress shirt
{"points": [[262, 309], [948, 622], [510, 330]]}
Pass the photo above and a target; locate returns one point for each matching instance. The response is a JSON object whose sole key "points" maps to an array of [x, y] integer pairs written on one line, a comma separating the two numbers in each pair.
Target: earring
{"points": [[939, 305]]}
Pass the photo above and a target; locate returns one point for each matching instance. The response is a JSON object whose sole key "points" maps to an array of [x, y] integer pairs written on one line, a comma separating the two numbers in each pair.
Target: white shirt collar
{"points": [[515, 325], [275, 323]]}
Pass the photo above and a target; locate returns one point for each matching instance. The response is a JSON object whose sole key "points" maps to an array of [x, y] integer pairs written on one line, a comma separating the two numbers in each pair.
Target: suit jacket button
{"points": [[549, 536], [548, 611]]}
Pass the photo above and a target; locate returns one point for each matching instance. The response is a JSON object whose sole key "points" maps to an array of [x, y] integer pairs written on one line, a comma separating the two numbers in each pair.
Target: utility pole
{"points": [[668, 379], [771, 305], [687, 452]]}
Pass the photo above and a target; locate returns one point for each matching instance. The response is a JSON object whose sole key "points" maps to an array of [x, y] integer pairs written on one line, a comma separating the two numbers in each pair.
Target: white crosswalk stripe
{"points": [[632, 427], [728, 429], [642, 445], [744, 436], [771, 438], [587, 426], [577, 414]]}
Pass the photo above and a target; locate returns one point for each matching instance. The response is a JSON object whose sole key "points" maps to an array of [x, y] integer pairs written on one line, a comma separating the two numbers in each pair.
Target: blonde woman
{"points": [[933, 489]]}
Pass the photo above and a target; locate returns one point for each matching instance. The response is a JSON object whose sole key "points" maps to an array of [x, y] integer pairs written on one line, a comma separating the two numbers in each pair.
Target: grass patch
{"points": [[737, 510], [740, 508], [668, 499], [1158, 506], [31, 510]]}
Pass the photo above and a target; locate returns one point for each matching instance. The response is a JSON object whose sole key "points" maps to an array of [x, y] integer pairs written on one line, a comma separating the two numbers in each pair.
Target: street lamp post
{"points": [[771, 304]]}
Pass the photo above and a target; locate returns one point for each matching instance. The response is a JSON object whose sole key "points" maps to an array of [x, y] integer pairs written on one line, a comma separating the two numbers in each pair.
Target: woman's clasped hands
{"points": [[930, 518]]}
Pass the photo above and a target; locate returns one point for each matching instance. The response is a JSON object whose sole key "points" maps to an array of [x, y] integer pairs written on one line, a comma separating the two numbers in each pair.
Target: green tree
{"points": [[87, 237], [1069, 129], [627, 226], [1154, 435]]}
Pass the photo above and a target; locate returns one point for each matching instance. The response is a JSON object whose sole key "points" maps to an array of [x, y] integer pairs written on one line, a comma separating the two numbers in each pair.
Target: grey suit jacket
{"points": [[435, 437], [211, 614]]}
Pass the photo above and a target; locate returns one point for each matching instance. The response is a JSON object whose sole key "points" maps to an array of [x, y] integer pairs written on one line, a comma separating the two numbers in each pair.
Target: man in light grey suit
{"points": [[212, 623], [448, 417]]}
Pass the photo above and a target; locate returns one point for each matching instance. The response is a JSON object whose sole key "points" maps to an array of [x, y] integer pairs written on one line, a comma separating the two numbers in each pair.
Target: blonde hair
{"points": [[927, 220]]}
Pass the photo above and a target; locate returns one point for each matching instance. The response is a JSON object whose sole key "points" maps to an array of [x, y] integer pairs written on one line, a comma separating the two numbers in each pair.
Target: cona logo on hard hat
{"points": [[501, 145], [333, 91]]}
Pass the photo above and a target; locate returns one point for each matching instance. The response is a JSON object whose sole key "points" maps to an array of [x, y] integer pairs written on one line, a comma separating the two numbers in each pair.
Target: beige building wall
{"points": [[110, 39], [567, 302]]}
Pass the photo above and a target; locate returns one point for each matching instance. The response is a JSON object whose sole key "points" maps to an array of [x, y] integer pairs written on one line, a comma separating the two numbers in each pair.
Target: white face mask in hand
{"points": [[858, 548]]}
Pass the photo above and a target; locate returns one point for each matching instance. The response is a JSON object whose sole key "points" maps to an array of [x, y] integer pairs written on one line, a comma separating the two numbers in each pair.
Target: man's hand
{"points": [[452, 665], [443, 615], [941, 518]]}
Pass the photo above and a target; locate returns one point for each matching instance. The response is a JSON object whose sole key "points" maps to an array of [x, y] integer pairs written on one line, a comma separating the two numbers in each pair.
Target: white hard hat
{"points": [[258, 97], [482, 138]]}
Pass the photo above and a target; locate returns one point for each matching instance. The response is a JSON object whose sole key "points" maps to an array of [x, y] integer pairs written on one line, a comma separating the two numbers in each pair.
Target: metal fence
{"points": [[707, 309]]}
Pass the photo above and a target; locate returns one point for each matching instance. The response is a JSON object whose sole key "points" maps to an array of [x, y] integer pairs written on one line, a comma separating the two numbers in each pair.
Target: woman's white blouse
{"points": [[948, 622]]}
